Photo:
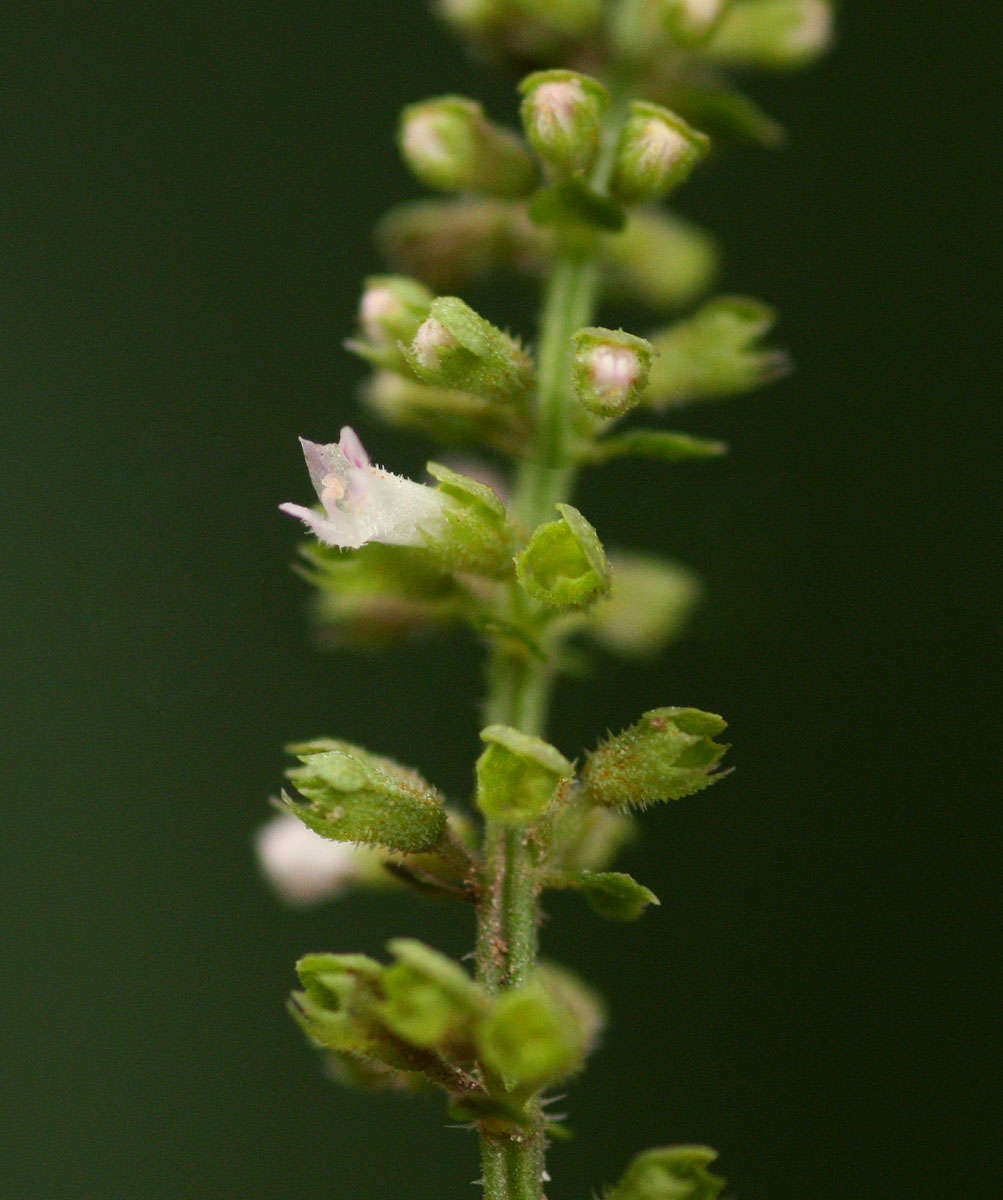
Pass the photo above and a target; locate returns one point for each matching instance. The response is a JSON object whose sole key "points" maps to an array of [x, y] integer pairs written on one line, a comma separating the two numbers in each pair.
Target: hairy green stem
{"points": [[520, 683]]}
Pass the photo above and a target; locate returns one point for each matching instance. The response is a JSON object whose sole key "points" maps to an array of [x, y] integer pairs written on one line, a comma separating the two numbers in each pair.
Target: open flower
{"points": [[363, 503], [305, 868]]}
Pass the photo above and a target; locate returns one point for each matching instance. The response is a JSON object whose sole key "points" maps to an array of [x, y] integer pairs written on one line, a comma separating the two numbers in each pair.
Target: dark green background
{"points": [[188, 199]]}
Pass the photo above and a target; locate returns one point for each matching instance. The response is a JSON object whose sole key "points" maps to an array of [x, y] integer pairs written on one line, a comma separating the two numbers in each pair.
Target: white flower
{"points": [[363, 503], [305, 868], [614, 369]]}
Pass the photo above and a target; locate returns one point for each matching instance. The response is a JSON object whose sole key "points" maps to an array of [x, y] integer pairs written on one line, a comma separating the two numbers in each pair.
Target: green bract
{"points": [[659, 260], [430, 999], [564, 565], [714, 353], [447, 414], [650, 602], [610, 893], [353, 796], [655, 443], [669, 1173], [518, 775], [670, 753], [528, 1039], [478, 537]]}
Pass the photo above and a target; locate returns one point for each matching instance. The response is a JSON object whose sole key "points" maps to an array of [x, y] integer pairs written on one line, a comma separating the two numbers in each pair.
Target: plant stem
{"points": [[519, 695], [520, 684]]}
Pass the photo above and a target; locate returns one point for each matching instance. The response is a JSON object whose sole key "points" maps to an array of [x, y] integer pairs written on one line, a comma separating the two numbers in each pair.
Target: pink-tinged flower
{"points": [[305, 868], [363, 503]]}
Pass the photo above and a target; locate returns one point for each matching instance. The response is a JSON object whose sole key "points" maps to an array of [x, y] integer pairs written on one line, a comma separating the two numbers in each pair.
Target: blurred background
{"points": [[188, 203]]}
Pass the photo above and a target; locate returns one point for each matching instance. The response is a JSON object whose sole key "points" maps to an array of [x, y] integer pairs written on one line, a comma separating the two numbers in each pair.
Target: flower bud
{"points": [[772, 33], [657, 150], [714, 353], [354, 796], [532, 1038], [659, 260], [670, 753], [518, 775], [649, 605], [456, 348], [669, 1173], [691, 21], [610, 370], [450, 145], [562, 114], [392, 308], [564, 565], [430, 1000]]}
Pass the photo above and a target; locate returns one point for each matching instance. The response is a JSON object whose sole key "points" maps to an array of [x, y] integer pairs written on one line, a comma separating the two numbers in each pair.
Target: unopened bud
{"points": [[518, 775], [471, 16], [610, 371], [669, 1173], [354, 796], [656, 152], [691, 21], [715, 352], [392, 308], [564, 565], [524, 29], [772, 33], [450, 145], [670, 753], [456, 348], [562, 114]]}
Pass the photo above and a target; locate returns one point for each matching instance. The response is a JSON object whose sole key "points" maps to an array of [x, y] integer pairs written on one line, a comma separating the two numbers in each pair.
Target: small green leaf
{"points": [[655, 443], [724, 111], [611, 894]]}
